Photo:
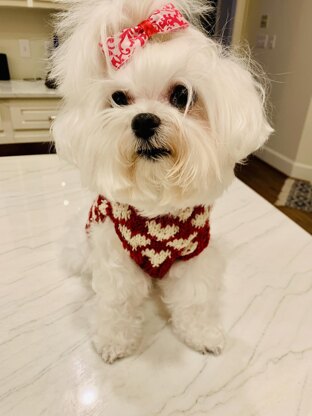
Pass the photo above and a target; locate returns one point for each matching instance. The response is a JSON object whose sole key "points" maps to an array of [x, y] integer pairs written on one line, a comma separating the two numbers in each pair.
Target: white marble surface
{"points": [[48, 366], [26, 89]]}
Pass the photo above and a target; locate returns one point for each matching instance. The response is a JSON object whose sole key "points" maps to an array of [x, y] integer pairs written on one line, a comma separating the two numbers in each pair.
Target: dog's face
{"points": [[165, 130]]}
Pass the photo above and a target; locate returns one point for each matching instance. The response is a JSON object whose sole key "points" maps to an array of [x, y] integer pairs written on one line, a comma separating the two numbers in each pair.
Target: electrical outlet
{"points": [[262, 41], [24, 46]]}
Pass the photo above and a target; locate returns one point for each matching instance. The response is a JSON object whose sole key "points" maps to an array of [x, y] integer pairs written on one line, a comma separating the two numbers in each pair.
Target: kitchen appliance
{"points": [[4, 68]]}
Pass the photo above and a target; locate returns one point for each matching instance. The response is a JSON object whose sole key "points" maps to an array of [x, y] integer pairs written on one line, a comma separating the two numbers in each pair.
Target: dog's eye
{"points": [[179, 97], [120, 98]]}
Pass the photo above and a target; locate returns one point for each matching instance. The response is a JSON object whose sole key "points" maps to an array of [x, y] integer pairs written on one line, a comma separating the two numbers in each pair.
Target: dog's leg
{"points": [[74, 248], [191, 292], [120, 288]]}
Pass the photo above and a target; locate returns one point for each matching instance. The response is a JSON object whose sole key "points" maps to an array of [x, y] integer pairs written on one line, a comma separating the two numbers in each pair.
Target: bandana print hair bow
{"points": [[122, 46]]}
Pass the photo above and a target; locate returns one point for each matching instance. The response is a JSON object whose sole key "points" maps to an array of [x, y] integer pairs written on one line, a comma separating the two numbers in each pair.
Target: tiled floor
{"points": [[47, 363]]}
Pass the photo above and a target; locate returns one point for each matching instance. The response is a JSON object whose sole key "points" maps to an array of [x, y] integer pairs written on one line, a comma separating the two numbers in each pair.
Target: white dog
{"points": [[155, 116]]}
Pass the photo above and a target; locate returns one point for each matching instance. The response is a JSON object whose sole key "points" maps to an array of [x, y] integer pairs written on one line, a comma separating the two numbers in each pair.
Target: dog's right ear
{"points": [[79, 59]]}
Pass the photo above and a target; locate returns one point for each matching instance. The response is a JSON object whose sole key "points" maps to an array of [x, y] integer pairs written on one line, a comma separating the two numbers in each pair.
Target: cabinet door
{"points": [[1, 126], [6, 133], [2, 133]]}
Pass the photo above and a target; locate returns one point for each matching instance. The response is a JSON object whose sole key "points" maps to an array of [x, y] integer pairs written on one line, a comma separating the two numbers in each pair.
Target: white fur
{"points": [[120, 291], [226, 123], [191, 292]]}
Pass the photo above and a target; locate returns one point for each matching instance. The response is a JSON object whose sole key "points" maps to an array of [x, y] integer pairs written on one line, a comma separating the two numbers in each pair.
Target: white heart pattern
{"points": [[121, 211], [180, 243], [201, 219], [156, 258], [138, 240], [103, 207], [161, 233], [190, 249], [184, 214]]}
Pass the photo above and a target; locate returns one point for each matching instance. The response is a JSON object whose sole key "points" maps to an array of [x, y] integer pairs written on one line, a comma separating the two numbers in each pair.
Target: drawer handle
{"points": [[52, 118]]}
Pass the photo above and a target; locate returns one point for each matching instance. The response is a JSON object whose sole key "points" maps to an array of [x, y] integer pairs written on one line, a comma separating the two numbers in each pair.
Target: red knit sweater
{"points": [[155, 243]]}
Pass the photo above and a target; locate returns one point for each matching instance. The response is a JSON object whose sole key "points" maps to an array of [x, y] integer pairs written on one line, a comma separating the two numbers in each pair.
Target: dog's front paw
{"points": [[111, 351], [205, 339], [211, 341]]}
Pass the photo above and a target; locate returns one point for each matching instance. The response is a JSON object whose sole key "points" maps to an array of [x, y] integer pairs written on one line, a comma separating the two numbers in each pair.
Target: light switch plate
{"points": [[272, 42], [24, 45], [264, 21]]}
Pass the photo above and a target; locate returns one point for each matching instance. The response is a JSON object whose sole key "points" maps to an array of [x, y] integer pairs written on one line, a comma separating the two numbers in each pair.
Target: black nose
{"points": [[144, 125]]}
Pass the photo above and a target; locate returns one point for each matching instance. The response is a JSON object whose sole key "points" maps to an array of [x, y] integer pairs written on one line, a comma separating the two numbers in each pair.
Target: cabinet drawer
{"points": [[33, 115]]}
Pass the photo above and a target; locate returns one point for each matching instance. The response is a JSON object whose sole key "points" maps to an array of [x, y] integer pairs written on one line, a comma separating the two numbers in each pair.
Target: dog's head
{"points": [[165, 130]]}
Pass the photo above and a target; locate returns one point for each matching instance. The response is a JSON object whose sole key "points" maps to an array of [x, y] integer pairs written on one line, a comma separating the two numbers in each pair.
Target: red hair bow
{"points": [[122, 46]]}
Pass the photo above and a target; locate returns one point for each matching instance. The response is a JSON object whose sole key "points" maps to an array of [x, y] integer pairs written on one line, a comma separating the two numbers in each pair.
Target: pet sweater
{"points": [[155, 243]]}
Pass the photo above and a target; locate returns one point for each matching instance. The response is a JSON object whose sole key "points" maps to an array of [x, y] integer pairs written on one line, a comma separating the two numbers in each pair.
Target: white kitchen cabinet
{"points": [[1, 125], [13, 3], [46, 4], [32, 114], [6, 132], [27, 120]]}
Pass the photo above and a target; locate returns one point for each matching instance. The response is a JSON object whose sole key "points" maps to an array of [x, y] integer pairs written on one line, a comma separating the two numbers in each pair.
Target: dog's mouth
{"points": [[153, 153]]}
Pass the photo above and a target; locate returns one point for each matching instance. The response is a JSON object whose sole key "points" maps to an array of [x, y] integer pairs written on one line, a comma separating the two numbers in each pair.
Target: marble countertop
{"points": [[26, 89], [48, 365]]}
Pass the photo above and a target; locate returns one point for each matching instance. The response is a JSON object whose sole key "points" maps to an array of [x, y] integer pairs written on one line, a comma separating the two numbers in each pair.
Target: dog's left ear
{"points": [[237, 114]]}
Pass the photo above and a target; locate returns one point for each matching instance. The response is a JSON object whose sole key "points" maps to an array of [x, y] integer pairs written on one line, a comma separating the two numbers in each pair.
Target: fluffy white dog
{"points": [[155, 116]]}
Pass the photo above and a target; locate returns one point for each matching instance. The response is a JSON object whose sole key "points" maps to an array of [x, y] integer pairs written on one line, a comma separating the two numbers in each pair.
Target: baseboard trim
{"points": [[284, 164]]}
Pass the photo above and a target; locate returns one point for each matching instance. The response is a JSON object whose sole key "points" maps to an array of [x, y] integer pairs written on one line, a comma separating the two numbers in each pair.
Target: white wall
{"points": [[289, 66], [304, 153], [21, 23]]}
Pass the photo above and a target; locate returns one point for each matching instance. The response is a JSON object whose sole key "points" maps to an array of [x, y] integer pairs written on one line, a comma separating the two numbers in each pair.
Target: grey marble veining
{"points": [[47, 363]]}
